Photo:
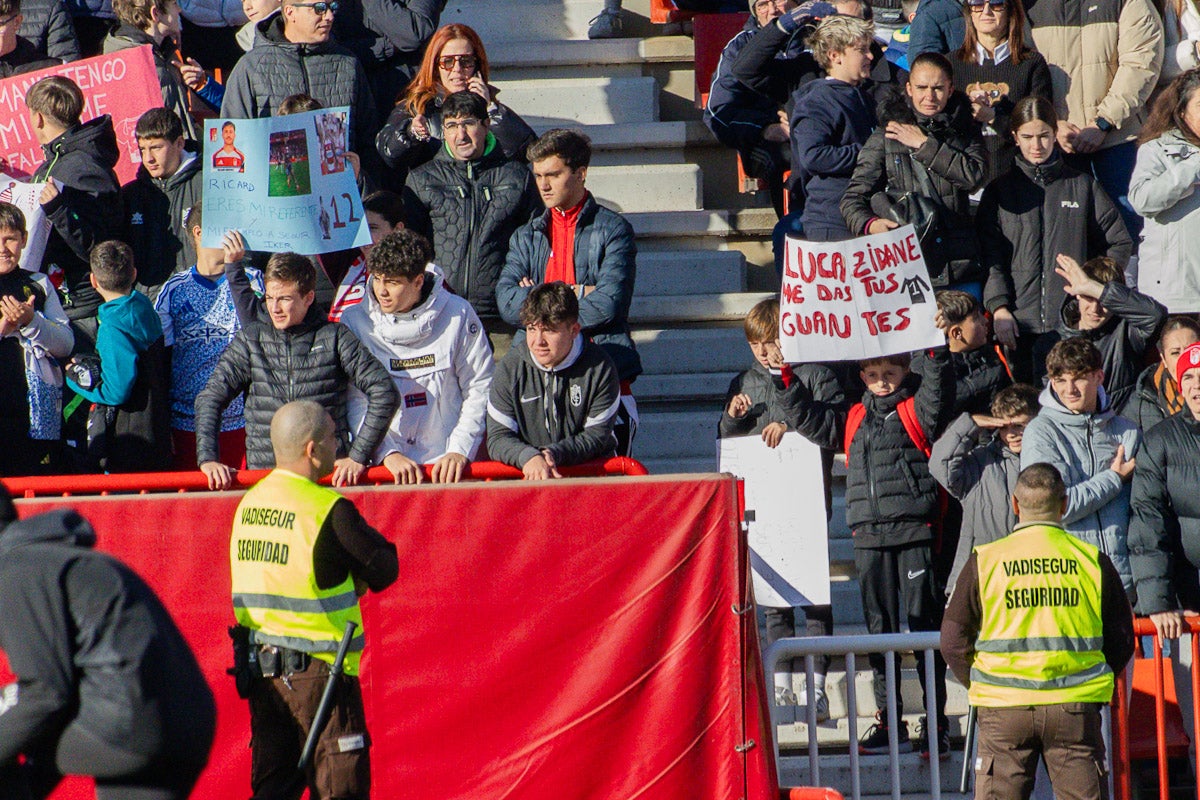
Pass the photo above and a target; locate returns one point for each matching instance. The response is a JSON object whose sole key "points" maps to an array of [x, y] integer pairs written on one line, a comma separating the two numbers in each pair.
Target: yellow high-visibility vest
{"points": [[275, 590], [1041, 637]]}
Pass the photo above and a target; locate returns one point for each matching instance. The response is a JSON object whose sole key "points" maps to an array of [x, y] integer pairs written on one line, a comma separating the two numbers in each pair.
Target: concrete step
{"points": [[701, 229], [648, 187], [692, 350], [564, 58], [689, 272], [677, 434], [874, 774], [671, 309], [690, 388], [569, 102], [524, 21], [676, 142]]}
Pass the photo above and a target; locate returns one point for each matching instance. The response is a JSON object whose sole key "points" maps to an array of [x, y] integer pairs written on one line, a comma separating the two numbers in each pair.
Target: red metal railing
{"points": [[1169, 737], [148, 482]]}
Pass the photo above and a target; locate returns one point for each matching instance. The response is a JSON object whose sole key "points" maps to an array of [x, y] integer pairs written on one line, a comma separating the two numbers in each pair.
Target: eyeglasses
{"points": [[452, 125], [763, 5], [320, 8], [4, 23], [467, 62], [995, 5]]}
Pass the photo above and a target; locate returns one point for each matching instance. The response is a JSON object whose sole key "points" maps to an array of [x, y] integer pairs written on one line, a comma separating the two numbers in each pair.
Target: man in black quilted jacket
{"points": [[287, 351], [470, 199]]}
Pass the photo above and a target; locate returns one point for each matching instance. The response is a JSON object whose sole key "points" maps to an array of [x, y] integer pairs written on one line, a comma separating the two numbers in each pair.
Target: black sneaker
{"points": [[943, 740], [875, 740]]}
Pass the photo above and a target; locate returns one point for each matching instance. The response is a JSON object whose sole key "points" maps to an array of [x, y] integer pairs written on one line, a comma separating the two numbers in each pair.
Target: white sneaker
{"points": [[820, 701]]}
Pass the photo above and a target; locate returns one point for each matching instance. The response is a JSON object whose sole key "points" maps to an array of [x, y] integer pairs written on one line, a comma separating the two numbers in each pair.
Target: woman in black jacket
{"points": [[454, 61], [1039, 209], [926, 145], [1164, 524], [996, 70]]}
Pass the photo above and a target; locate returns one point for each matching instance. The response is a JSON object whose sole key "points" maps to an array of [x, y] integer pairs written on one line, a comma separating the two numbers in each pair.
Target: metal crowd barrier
{"points": [[1167, 737], [848, 646], [150, 482]]}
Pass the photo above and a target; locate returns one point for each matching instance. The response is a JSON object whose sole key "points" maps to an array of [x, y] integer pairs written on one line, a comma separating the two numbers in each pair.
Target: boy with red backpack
{"points": [[892, 503]]}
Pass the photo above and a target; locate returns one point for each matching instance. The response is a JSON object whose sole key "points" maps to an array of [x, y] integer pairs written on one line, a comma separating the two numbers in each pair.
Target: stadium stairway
{"points": [[703, 255]]}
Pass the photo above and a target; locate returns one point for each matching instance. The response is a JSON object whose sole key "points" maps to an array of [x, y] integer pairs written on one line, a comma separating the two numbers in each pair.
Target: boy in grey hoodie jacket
{"points": [[982, 476], [1079, 433]]}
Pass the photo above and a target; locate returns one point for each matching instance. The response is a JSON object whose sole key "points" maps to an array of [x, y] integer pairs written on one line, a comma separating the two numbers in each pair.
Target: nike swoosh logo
{"points": [[912, 576], [531, 399]]}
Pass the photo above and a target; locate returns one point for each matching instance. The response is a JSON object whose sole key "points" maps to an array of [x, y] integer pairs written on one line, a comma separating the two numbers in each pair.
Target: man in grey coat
{"points": [[294, 52]]}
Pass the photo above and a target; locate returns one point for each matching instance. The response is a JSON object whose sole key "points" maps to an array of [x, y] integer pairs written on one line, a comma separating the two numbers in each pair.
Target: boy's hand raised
{"points": [[234, 246], [989, 422], [49, 192], [739, 405], [1076, 280]]}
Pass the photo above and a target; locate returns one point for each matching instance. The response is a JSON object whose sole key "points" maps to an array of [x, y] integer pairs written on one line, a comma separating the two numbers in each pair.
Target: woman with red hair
{"points": [[454, 61]]}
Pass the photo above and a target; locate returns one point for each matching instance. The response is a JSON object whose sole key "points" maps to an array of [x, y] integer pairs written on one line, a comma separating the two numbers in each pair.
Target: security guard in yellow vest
{"points": [[300, 555], [1036, 628]]}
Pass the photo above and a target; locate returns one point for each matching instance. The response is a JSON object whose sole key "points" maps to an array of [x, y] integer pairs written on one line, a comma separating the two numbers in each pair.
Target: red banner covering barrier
{"points": [[583, 638], [122, 84]]}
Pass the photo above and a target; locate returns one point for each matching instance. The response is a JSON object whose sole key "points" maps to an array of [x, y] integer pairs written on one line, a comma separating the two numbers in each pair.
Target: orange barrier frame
{"points": [[1163, 685], [148, 482]]}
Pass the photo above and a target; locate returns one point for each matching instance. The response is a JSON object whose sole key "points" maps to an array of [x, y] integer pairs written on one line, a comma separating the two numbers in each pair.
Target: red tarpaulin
{"points": [[582, 639]]}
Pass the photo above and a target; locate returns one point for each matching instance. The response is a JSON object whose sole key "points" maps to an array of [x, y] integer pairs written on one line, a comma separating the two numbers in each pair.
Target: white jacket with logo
{"points": [[441, 363]]}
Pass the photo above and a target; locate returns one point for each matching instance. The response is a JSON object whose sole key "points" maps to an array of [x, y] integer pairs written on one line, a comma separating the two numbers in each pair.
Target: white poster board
{"points": [[785, 510], [26, 196], [862, 298]]}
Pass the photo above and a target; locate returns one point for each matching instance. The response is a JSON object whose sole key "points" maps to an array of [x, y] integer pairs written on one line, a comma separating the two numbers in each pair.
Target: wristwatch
{"points": [[1103, 124]]}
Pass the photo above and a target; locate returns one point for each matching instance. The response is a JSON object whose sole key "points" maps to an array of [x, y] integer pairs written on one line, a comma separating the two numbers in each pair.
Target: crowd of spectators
{"points": [[136, 348], [1050, 165]]}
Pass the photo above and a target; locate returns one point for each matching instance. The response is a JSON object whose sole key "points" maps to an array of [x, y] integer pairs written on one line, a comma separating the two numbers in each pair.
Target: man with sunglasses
{"points": [[294, 51]]}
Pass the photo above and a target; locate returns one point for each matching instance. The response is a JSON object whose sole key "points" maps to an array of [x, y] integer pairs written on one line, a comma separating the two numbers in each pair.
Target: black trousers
{"points": [[887, 577]]}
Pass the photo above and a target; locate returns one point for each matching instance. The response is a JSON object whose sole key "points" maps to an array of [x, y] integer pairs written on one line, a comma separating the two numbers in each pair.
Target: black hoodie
{"points": [[105, 677], [86, 212], [154, 209]]}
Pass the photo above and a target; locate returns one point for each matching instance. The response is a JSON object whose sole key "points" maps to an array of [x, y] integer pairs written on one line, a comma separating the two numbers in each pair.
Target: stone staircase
{"points": [[703, 260], [701, 265]]}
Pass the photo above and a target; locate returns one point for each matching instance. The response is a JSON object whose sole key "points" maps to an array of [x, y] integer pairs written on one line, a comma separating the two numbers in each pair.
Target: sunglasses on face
{"points": [[320, 8], [466, 62], [995, 5]]}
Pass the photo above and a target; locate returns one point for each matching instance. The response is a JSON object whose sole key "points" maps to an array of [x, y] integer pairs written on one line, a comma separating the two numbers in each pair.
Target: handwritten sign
{"points": [[862, 298], [27, 197], [284, 182], [122, 84], [785, 512]]}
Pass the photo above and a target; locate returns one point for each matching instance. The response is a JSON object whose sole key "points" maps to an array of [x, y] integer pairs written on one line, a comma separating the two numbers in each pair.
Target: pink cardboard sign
{"points": [[122, 84]]}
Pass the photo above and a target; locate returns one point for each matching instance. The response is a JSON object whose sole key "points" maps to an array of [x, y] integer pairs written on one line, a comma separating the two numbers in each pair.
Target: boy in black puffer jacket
{"points": [[87, 209], [891, 503], [770, 399], [979, 371]]}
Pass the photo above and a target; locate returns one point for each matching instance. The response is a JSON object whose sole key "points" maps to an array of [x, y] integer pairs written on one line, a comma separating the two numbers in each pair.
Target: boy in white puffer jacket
{"points": [[432, 344]]}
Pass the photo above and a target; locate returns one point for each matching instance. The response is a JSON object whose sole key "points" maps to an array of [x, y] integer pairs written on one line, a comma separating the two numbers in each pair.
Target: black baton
{"points": [[326, 704]]}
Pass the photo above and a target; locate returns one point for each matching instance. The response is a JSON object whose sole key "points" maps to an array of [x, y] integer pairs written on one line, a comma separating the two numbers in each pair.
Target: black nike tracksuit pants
{"points": [[887, 578]]}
